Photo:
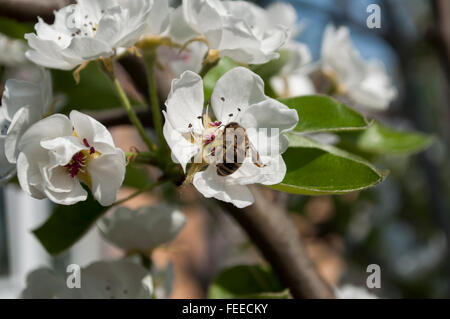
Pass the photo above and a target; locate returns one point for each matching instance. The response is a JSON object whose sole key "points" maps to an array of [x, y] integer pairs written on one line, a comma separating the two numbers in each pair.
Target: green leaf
{"points": [[94, 92], [382, 140], [247, 282], [316, 169], [211, 78], [319, 113], [272, 68], [68, 224], [14, 29]]}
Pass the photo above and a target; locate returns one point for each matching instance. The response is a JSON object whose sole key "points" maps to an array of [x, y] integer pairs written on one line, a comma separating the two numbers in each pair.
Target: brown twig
{"points": [[272, 231], [29, 10]]}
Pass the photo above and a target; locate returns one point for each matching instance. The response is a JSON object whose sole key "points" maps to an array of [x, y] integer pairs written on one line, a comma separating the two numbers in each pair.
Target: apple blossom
{"points": [[23, 104], [236, 29], [142, 230], [13, 51], [57, 153], [237, 98], [88, 30], [122, 279], [367, 83]]}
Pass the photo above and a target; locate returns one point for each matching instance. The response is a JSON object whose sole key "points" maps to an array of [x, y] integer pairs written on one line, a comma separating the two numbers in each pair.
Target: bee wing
{"points": [[256, 159]]}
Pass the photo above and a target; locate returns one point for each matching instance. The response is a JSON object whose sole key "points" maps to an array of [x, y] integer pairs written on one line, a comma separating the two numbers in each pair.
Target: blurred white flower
{"points": [[13, 51], [87, 31], [353, 292], [121, 279], [236, 29], [23, 104], [367, 83], [142, 230], [292, 79], [238, 99], [57, 153], [175, 63]]}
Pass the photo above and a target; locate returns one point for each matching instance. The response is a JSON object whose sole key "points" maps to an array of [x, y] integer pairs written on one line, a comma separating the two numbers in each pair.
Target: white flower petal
{"points": [[238, 88], [120, 279], [51, 127], [271, 174], [212, 185], [29, 175], [142, 230], [182, 149], [21, 121], [265, 123], [107, 173], [179, 30], [7, 169], [62, 149], [42, 283], [185, 103], [90, 129]]}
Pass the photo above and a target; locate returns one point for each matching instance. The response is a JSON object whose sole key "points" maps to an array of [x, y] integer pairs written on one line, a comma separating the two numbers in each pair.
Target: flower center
{"points": [[76, 167]]}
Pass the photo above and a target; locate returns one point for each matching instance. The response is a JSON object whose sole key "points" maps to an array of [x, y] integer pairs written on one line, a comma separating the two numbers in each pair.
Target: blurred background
{"points": [[403, 225]]}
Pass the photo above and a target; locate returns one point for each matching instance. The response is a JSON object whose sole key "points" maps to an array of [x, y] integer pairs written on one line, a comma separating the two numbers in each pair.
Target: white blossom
{"points": [[88, 30], [367, 83], [12, 51], [23, 104], [237, 98], [120, 279], [236, 29], [57, 153], [144, 229], [292, 79]]}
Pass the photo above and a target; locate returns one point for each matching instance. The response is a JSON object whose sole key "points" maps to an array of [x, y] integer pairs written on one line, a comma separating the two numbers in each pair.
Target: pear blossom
{"points": [[121, 279], [237, 98], [23, 104], [57, 154], [292, 79], [142, 230], [366, 83], [88, 30], [236, 29], [13, 51]]}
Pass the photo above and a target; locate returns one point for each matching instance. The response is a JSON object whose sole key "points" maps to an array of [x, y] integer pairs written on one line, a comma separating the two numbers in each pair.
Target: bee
{"points": [[235, 147]]}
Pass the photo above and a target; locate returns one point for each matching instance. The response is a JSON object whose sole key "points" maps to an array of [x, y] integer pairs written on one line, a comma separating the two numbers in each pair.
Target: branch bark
{"points": [[273, 233], [29, 10]]}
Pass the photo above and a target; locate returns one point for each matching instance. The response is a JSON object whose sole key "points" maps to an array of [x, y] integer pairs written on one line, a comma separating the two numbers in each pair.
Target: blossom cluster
{"points": [[223, 144], [55, 154]]}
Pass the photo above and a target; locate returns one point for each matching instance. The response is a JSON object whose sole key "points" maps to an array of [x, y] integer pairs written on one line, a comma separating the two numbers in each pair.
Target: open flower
{"points": [[236, 29], [88, 30], [57, 153], [122, 279], [367, 83], [238, 101], [23, 104], [142, 230]]}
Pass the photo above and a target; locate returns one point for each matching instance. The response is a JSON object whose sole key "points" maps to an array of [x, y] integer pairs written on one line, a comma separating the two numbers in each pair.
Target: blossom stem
{"points": [[207, 66], [132, 114], [154, 97]]}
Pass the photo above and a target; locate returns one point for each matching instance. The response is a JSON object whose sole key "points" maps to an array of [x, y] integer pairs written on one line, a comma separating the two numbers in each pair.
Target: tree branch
{"points": [[273, 233], [29, 10]]}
